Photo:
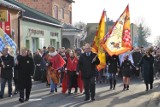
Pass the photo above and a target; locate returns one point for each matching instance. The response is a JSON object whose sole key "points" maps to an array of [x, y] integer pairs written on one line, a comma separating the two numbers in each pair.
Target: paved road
{"points": [[135, 97]]}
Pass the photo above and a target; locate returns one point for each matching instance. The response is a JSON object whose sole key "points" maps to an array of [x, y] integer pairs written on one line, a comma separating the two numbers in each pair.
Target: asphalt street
{"points": [[136, 96]]}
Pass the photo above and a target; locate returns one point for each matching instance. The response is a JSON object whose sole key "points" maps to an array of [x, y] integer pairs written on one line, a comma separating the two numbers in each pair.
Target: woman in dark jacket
{"points": [[147, 68], [38, 71], [25, 72], [126, 69]]}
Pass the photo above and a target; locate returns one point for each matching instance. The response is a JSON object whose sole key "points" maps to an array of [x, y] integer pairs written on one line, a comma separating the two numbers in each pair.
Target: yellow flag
{"points": [[118, 40], [96, 48]]}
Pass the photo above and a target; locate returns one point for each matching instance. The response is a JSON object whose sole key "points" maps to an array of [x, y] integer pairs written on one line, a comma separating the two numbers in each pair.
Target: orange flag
{"points": [[96, 48], [118, 40]]}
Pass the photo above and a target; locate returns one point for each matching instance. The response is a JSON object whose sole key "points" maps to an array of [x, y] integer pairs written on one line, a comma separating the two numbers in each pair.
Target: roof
{"points": [[71, 1], [9, 5], [36, 16], [69, 27]]}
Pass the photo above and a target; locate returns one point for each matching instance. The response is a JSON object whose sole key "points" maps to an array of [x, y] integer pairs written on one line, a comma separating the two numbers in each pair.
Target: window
{"points": [[70, 17], [56, 12], [52, 42], [41, 40], [62, 13], [35, 44], [27, 44], [35, 0], [57, 45]]}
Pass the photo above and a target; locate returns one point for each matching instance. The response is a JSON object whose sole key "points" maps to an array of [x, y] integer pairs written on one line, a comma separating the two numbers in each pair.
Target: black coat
{"points": [[25, 71], [126, 68], [38, 71], [136, 57], [7, 71], [86, 66], [113, 63], [147, 68], [157, 64]]}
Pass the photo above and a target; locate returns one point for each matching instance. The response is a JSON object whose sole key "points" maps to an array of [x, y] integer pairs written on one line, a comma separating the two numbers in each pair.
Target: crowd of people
{"points": [[75, 68]]}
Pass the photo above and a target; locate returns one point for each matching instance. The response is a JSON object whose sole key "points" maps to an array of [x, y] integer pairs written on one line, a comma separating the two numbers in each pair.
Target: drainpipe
{"points": [[19, 17]]}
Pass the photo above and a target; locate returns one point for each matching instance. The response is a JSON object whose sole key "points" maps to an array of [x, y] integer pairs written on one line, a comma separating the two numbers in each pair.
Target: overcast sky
{"points": [[89, 11]]}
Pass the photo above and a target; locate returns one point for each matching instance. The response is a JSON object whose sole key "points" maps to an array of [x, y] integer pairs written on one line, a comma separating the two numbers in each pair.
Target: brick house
{"points": [[59, 9]]}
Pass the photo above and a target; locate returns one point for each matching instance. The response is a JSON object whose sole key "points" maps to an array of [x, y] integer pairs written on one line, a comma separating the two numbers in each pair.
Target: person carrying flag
{"points": [[87, 65]]}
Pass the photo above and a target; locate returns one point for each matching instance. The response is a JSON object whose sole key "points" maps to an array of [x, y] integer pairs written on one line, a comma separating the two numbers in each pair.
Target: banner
{"points": [[7, 42], [118, 40], [6, 26], [96, 48], [2, 46], [3, 15]]}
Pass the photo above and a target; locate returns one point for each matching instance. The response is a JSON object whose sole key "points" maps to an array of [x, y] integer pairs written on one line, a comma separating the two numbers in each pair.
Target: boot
{"points": [[128, 87], [151, 86], [69, 91], [146, 87], [75, 90], [114, 85], [124, 88], [55, 89], [110, 82]]}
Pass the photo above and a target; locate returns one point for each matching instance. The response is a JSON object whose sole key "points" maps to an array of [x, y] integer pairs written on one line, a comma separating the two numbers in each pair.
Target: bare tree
{"points": [[82, 26]]}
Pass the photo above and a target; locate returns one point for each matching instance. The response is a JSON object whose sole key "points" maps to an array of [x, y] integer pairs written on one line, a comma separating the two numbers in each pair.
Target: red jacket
{"points": [[57, 62], [72, 64]]}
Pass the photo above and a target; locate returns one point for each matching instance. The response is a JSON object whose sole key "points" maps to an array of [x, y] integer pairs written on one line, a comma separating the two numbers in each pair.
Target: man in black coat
{"points": [[87, 65], [25, 72], [136, 55], [113, 66], [7, 64]]}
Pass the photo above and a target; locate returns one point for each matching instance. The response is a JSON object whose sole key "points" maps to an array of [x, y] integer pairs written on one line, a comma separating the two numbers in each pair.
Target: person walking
{"points": [[137, 55], [72, 62], [157, 64], [26, 68], [113, 67], [87, 65], [54, 63], [147, 68], [126, 69], [7, 65], [37, 60]]}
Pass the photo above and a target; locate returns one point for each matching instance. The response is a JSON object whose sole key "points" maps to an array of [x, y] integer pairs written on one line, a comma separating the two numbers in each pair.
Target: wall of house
{"points": [[47, 7], [44, 35], [13, 23]]}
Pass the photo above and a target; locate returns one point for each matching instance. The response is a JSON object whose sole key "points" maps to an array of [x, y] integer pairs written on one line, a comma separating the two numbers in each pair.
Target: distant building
{"points": [[71, 36], [92, 27]]}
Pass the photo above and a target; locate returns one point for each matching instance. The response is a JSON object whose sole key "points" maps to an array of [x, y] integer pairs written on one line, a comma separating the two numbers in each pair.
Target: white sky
{"points": [[89, 11]]}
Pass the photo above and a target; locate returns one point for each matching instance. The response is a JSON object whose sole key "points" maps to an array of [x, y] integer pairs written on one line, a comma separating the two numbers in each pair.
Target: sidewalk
{"points": [[155, 99], [13, 87]]}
